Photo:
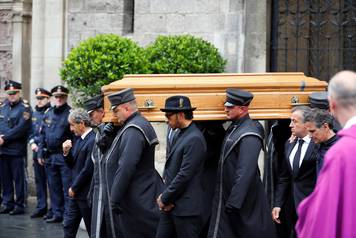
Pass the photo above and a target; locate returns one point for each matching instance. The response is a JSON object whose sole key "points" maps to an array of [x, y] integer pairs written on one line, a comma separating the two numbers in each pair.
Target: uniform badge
{"points": [[26, 115]]}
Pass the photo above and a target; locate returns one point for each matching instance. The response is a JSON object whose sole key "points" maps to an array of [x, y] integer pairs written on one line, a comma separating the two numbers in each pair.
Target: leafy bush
{"points": [[184, 54], [101, 60]]}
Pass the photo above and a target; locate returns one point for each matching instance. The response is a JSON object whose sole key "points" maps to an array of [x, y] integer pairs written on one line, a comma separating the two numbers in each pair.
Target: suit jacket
{"points": [[300, 185], [183, 172], [81, 165]]}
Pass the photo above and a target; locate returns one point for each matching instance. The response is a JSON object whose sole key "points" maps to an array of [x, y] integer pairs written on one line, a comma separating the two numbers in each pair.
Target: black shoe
{"points": [[17, 211], [5, 210], [38, 214], [54, 220], [47, 216]]}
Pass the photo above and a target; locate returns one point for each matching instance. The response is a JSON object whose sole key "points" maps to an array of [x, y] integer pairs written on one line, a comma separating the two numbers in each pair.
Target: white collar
{"points": [[86, 133], [306, 139], [350, 122]]}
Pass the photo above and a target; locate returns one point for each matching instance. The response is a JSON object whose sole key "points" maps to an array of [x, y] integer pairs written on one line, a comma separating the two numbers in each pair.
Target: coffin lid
{"points": [[274, 93]]}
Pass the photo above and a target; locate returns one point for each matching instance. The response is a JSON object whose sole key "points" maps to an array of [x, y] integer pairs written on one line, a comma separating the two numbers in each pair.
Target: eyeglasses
{"points": [[40, 98], [169, 114], [59, 96]]}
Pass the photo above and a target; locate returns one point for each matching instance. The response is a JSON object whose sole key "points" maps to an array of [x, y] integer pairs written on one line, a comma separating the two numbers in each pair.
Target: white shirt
{"points": [[305, 145], [350, 122], [86, 133]]}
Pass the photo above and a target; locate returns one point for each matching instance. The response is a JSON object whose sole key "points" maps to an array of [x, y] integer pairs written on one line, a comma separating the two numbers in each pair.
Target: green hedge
{"points": [[184, 54], [99, 61], [106, 58]]}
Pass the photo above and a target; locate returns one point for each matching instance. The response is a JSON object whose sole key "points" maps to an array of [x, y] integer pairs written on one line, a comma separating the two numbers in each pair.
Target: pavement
{"points": [[20, 226]]}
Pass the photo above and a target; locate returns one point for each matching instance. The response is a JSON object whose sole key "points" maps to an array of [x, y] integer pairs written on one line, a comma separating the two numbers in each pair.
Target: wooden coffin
{"points": [[274, 93]]}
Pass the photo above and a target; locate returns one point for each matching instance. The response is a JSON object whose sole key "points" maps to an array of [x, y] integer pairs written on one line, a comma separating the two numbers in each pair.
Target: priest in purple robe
{"points": [[330, 211]]}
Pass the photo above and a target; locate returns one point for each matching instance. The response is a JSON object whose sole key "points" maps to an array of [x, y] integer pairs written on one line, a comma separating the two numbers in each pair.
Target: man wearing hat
{"points": [[54, 132], [15, 124], [240, 205], [181, 202], [132, 181], [105, 134], [42, 104]]}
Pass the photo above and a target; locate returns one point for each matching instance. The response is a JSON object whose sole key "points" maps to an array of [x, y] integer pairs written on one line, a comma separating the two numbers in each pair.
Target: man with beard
{"points": [[132, 180], [240, 205], [181, 202]]}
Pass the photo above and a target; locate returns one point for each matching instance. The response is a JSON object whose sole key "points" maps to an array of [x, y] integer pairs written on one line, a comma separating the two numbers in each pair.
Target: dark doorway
{"points": [[317, 37]]}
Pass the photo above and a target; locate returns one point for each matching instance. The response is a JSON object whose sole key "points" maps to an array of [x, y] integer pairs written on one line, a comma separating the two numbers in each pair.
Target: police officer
{"points": [[181, 201], [240, 205], [15, 124], [55, 131], [133, 182], [42, 104]]}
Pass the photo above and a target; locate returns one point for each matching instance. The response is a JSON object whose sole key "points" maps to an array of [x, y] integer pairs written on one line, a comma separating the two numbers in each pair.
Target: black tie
{"points": [[296, 159]]}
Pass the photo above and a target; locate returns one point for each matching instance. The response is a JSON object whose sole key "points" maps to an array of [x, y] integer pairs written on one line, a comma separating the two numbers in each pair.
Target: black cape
{"points": [[240, 206]]}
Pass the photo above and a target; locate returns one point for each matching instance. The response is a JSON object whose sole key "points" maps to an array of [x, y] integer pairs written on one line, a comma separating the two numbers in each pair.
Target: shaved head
{"points": [[342, 95]]}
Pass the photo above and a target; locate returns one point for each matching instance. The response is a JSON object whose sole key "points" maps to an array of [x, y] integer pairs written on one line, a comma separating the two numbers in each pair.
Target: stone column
{"points": [[48, 39], [255, 48], [21, 23]]}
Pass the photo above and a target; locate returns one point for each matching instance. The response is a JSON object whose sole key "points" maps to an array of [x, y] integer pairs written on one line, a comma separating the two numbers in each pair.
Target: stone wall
{"points": [[5, 46], [221, 22]]}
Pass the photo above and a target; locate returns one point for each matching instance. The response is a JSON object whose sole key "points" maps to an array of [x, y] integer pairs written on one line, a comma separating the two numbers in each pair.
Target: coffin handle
{"points": [[147, 105]]}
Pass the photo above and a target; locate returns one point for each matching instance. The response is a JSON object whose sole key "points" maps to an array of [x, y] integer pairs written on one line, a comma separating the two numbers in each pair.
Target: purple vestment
{"points": [[330, 211]]}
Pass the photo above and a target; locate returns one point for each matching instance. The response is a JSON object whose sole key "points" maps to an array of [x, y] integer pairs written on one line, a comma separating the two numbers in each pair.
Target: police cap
{"points": [[12, 87], [41, 92], [59, 90]]}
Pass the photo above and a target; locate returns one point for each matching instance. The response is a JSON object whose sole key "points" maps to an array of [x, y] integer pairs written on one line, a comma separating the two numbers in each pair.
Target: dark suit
{"points": [[81, 165], [293, 188], [183, 177]]}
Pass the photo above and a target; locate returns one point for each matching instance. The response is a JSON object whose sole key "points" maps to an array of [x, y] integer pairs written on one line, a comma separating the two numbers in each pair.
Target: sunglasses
{"points": [[169, 114], [40, 98]]}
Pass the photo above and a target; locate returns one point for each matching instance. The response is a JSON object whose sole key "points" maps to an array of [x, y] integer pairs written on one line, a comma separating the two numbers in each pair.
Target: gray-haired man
{"points": [[77, 156]]}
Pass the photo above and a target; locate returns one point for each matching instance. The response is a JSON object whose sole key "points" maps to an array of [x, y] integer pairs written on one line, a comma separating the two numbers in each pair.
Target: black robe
{"points": [[97, 197], [132, 180], [240, 206]]}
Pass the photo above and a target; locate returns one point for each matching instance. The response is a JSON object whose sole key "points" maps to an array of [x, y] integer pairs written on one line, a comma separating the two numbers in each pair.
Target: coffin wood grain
{"points": [[273, 92]]}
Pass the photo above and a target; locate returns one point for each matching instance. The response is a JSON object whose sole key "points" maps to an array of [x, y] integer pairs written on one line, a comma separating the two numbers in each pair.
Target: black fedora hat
{"points": [[177, 103]]}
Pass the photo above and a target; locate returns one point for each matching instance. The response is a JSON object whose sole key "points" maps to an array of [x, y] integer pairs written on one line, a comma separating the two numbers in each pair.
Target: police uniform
{"points": [[55, 130], [240, 205], [39, 170], [133, 183], [15, 124]]}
